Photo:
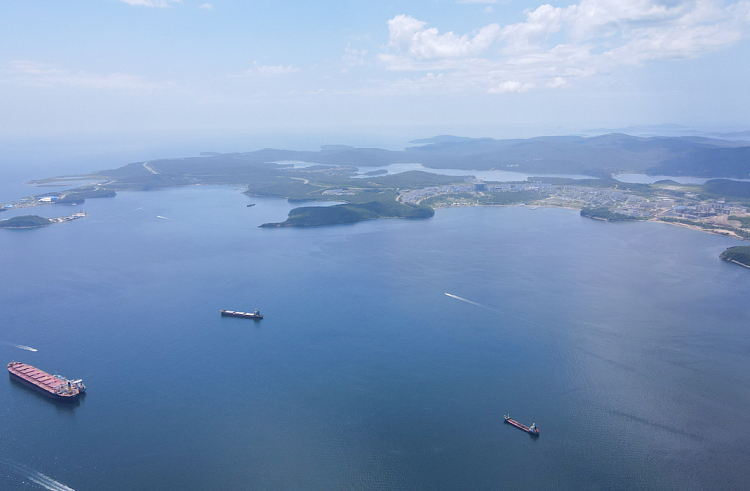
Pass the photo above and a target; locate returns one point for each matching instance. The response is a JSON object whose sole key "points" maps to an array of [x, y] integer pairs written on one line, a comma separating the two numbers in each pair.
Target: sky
{"points": [[501, 68]]}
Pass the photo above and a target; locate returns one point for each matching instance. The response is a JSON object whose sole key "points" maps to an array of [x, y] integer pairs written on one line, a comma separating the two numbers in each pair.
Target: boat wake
{"points": [[164, 218], [469, 301], [19, 346], [36, 477]]}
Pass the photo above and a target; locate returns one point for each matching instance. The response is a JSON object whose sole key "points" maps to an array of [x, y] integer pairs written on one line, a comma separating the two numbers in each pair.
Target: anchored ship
{"points": [[246, 315], [532, 430], [55, 386]]}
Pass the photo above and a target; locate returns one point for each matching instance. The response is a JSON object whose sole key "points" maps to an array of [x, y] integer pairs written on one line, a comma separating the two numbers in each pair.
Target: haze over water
{"points": [[625, 343]]}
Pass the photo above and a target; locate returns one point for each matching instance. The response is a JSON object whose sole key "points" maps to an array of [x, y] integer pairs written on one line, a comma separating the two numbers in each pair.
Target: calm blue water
{"points": [[627, 344]]}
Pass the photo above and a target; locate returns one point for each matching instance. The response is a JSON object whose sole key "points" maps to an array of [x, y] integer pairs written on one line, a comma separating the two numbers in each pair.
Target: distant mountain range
{"points": [[668, 130], [599, 156]]}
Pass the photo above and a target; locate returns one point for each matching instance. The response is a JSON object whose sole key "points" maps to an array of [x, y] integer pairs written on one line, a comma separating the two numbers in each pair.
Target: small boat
{"points": [[244, 315], [531, 430], [251, 204]]}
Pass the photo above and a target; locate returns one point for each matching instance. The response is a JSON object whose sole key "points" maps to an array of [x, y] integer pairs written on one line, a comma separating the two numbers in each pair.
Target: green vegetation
{"points": [[708, 162], [484, 199], [745, 221], [740, 254], [314, 216], [375, 194], [290, 188], [604, 183], [25, 221], [605, 214], [723, 188], [707, 226], [78, 196], [411, 180]]}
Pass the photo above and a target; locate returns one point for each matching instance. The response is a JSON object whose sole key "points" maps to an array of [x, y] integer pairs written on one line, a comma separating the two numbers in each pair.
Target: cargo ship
{"points": [[245, 315], [55, 386], [531, 430]]}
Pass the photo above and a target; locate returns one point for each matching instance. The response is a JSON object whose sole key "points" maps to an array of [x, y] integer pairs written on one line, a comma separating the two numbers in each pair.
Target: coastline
{"points": [[719, 232]]}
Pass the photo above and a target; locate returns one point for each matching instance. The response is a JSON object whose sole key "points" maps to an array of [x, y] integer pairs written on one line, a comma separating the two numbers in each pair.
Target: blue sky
{"points": [[479, 68]]}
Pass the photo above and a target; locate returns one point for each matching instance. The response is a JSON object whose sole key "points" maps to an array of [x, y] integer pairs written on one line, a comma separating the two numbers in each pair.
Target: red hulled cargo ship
{"points": [[54, 386]]}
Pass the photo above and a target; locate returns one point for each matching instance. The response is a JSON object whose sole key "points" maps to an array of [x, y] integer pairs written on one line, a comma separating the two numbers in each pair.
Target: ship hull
{"points": [[243, 315], [521, 427], [51, 395], [42, 382]]}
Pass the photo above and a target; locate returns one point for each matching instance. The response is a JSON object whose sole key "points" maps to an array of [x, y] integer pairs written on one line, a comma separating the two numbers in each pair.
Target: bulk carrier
{"points": [[54, 386], [244, 315], [531, 430]]}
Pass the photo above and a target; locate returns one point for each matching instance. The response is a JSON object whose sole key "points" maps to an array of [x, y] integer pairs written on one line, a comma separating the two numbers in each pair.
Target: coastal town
{"points": [[671, 206], [668, 201]]}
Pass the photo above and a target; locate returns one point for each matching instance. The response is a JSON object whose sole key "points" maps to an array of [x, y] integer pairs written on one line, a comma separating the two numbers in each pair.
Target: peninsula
{"points": [[738, 255], [35, 221]]}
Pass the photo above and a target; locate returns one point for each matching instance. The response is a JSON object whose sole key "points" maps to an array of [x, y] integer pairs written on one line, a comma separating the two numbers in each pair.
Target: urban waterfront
{"points": [[626, 343]]}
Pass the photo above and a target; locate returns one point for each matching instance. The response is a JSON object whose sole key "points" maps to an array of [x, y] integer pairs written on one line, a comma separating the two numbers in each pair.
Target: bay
{"points": [[626, 343]]}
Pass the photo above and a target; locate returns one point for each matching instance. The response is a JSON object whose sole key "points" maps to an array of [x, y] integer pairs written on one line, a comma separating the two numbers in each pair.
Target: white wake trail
{"points": [[48, 483], [164, 218], [467, 301], [19, 346], [36, 477]]}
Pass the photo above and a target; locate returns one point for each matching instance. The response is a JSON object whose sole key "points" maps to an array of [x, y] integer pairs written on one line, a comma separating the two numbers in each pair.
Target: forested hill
{"points": [[597, 156]]}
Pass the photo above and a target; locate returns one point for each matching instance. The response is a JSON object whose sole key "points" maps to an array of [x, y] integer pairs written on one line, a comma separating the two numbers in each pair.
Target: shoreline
{"points": [[719, 232]]}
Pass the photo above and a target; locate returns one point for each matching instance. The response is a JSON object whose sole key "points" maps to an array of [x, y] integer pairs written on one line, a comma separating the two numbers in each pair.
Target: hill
{"points": [[737, 254], [598, 156], [25, 221], [315, 216]]}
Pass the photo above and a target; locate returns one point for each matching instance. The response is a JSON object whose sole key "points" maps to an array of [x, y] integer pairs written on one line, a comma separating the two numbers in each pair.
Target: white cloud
{"points": [[353, 57], [409, 36], [44, 75], [555, 46], [268, 70], [556, 83], [510, 86], [539, 25], [206, 6], [151, 3], [276, 70]]}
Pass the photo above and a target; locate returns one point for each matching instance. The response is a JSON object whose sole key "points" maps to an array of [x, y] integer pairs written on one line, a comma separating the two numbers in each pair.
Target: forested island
{"points": [[35, 221], [25, 221], [314, 216], [738, 254]]}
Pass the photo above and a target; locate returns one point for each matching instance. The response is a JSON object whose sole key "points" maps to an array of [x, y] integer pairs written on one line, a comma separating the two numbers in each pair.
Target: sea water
{"points": [[626, 343]]}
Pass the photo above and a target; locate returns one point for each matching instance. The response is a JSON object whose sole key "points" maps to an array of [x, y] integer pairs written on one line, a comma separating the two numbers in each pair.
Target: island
{"points": [[35, 221], [737, 255], [315, 216], [25, 221]]}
